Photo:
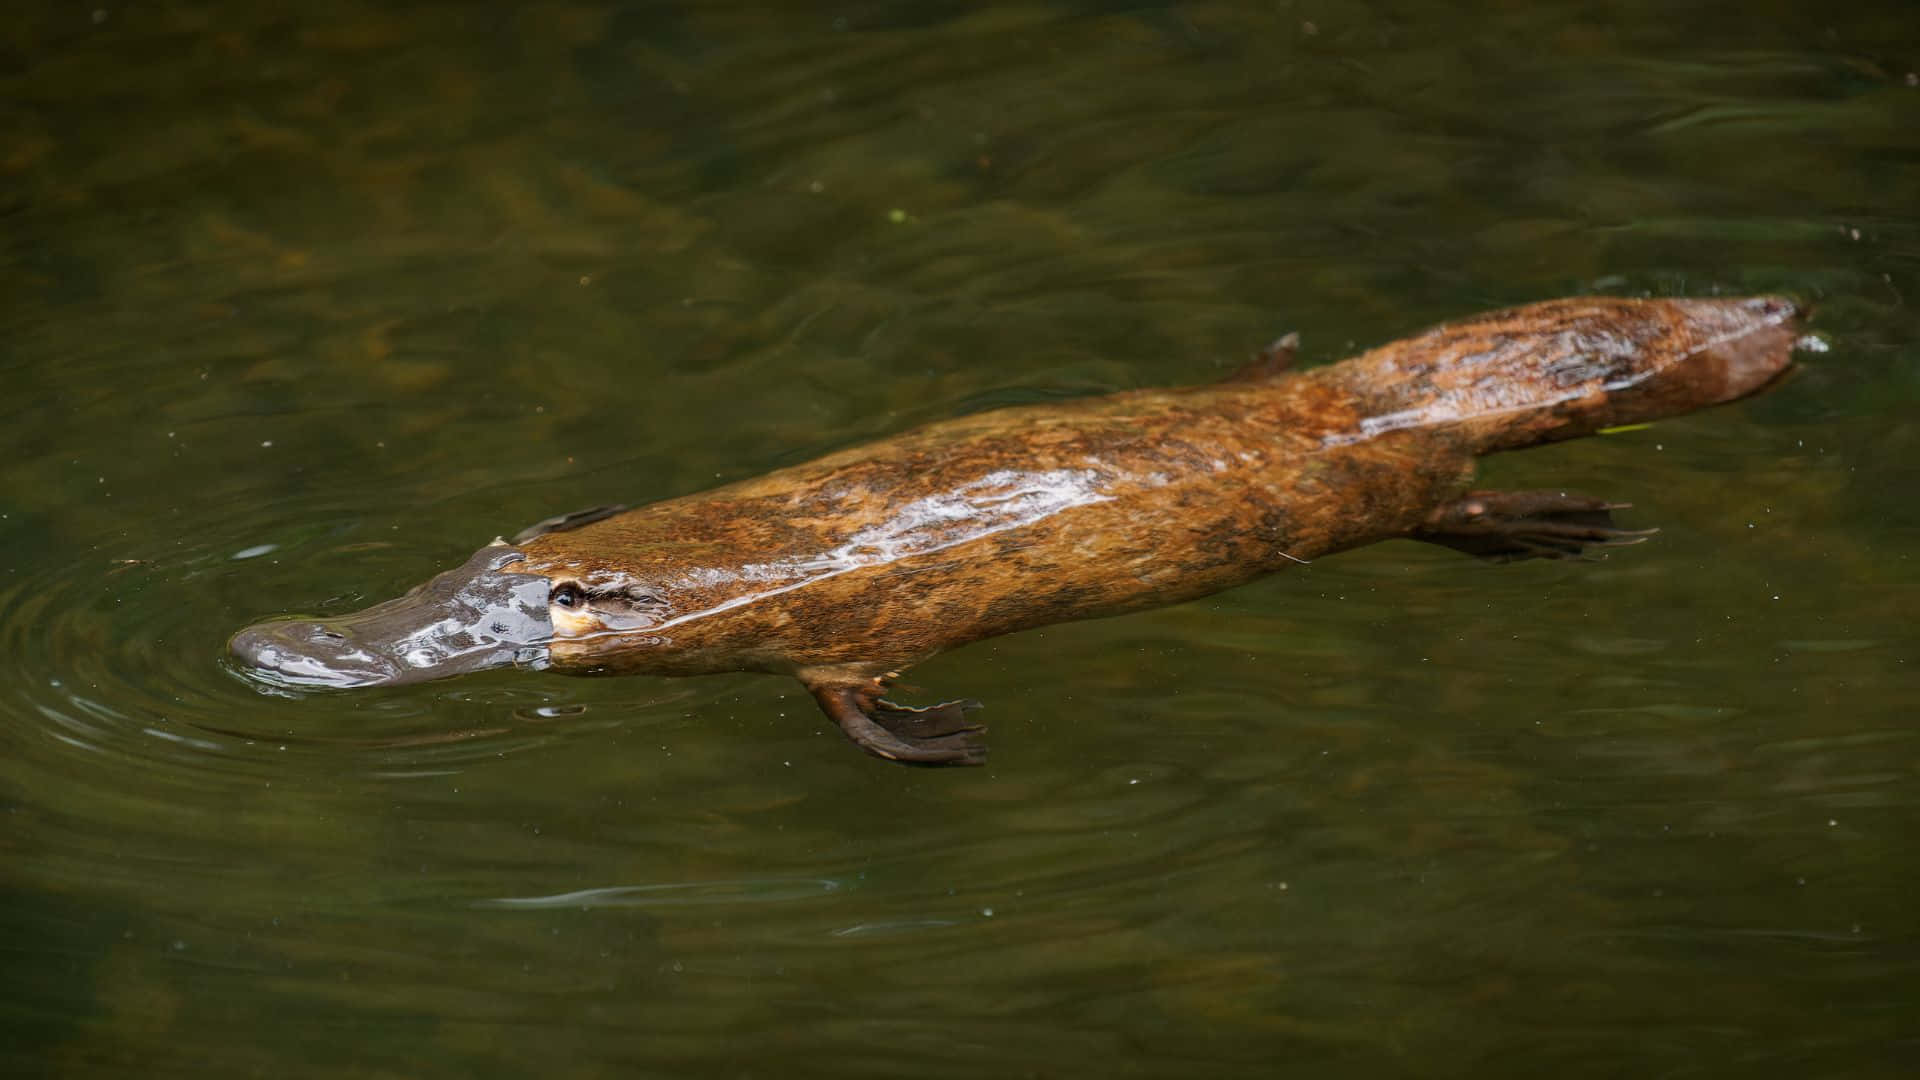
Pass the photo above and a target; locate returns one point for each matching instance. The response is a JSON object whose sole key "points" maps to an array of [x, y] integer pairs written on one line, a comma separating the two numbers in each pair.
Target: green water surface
{"points": [[300, 304]]}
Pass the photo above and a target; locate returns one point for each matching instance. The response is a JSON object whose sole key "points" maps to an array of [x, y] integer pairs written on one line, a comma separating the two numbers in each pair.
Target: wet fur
{"points": [[1206, 488], [848, 569]]}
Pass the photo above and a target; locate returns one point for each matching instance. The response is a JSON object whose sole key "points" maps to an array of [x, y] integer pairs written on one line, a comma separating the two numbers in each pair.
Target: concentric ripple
{"points": [[118, 653]]}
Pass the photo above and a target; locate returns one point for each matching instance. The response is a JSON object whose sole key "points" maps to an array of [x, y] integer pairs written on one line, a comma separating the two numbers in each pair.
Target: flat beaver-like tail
{"points": [[1565, 368]]}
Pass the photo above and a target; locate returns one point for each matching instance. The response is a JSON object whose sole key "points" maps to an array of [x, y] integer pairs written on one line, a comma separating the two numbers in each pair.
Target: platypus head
{"points": [[480, 615], [581, 610]]}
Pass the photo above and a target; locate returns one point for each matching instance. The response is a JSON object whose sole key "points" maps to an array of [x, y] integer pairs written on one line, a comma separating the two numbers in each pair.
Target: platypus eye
{"points": [[567, 595]]}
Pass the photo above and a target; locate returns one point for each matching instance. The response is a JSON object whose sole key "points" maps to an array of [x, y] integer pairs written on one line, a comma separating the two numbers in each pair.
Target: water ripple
{"points": [[674, 894], [116, 679]]}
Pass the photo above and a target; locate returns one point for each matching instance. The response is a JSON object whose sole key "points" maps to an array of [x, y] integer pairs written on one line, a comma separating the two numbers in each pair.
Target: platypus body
{"points": [[847, 570]]}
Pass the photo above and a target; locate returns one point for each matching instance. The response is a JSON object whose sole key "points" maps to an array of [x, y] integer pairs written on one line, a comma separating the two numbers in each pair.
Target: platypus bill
{"points": [[846, 570]]}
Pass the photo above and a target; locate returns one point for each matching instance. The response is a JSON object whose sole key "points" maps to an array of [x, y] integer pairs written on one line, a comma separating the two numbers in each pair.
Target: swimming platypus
{"points": [[846, 570]]}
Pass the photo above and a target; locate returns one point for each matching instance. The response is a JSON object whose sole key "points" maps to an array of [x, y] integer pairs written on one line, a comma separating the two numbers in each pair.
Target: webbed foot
{"points": [[1507, 525], [935, 735]]}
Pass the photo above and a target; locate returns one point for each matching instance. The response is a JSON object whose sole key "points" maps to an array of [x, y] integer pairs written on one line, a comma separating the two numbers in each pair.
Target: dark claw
{"points": [[1508, 525], [934, 735]]}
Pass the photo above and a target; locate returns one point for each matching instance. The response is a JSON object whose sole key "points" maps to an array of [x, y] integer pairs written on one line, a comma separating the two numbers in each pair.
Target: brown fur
{"points": [[1204, 488], [847, 569]]}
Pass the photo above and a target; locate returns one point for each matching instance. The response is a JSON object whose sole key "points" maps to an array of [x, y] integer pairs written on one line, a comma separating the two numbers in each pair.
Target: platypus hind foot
{"points": [[1508, 525], [935, 735]]}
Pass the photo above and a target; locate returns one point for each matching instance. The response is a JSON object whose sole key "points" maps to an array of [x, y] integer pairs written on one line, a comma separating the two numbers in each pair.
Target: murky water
{"points": [[296, 310]]}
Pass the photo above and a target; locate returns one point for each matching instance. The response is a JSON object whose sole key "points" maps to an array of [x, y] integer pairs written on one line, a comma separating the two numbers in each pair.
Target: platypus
{"points": [[846, 570]]}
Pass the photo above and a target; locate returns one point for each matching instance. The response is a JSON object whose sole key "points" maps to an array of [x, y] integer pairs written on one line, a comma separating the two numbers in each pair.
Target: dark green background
{"points": [[298, 309]]}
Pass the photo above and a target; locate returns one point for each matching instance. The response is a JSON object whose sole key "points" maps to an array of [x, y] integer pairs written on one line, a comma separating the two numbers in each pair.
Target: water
{"points": [[299, 310]]}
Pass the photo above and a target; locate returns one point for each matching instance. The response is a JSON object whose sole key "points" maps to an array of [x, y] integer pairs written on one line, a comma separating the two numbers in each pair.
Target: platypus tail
{"points": [[1565, 368]]}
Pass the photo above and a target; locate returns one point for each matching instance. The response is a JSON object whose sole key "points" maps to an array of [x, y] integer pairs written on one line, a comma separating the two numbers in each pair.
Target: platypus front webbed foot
{"points": [[1508, 525], [935, 735]]}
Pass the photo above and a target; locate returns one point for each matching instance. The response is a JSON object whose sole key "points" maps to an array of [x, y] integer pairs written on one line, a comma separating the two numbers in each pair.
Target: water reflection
{"points": [[672, 894]]}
